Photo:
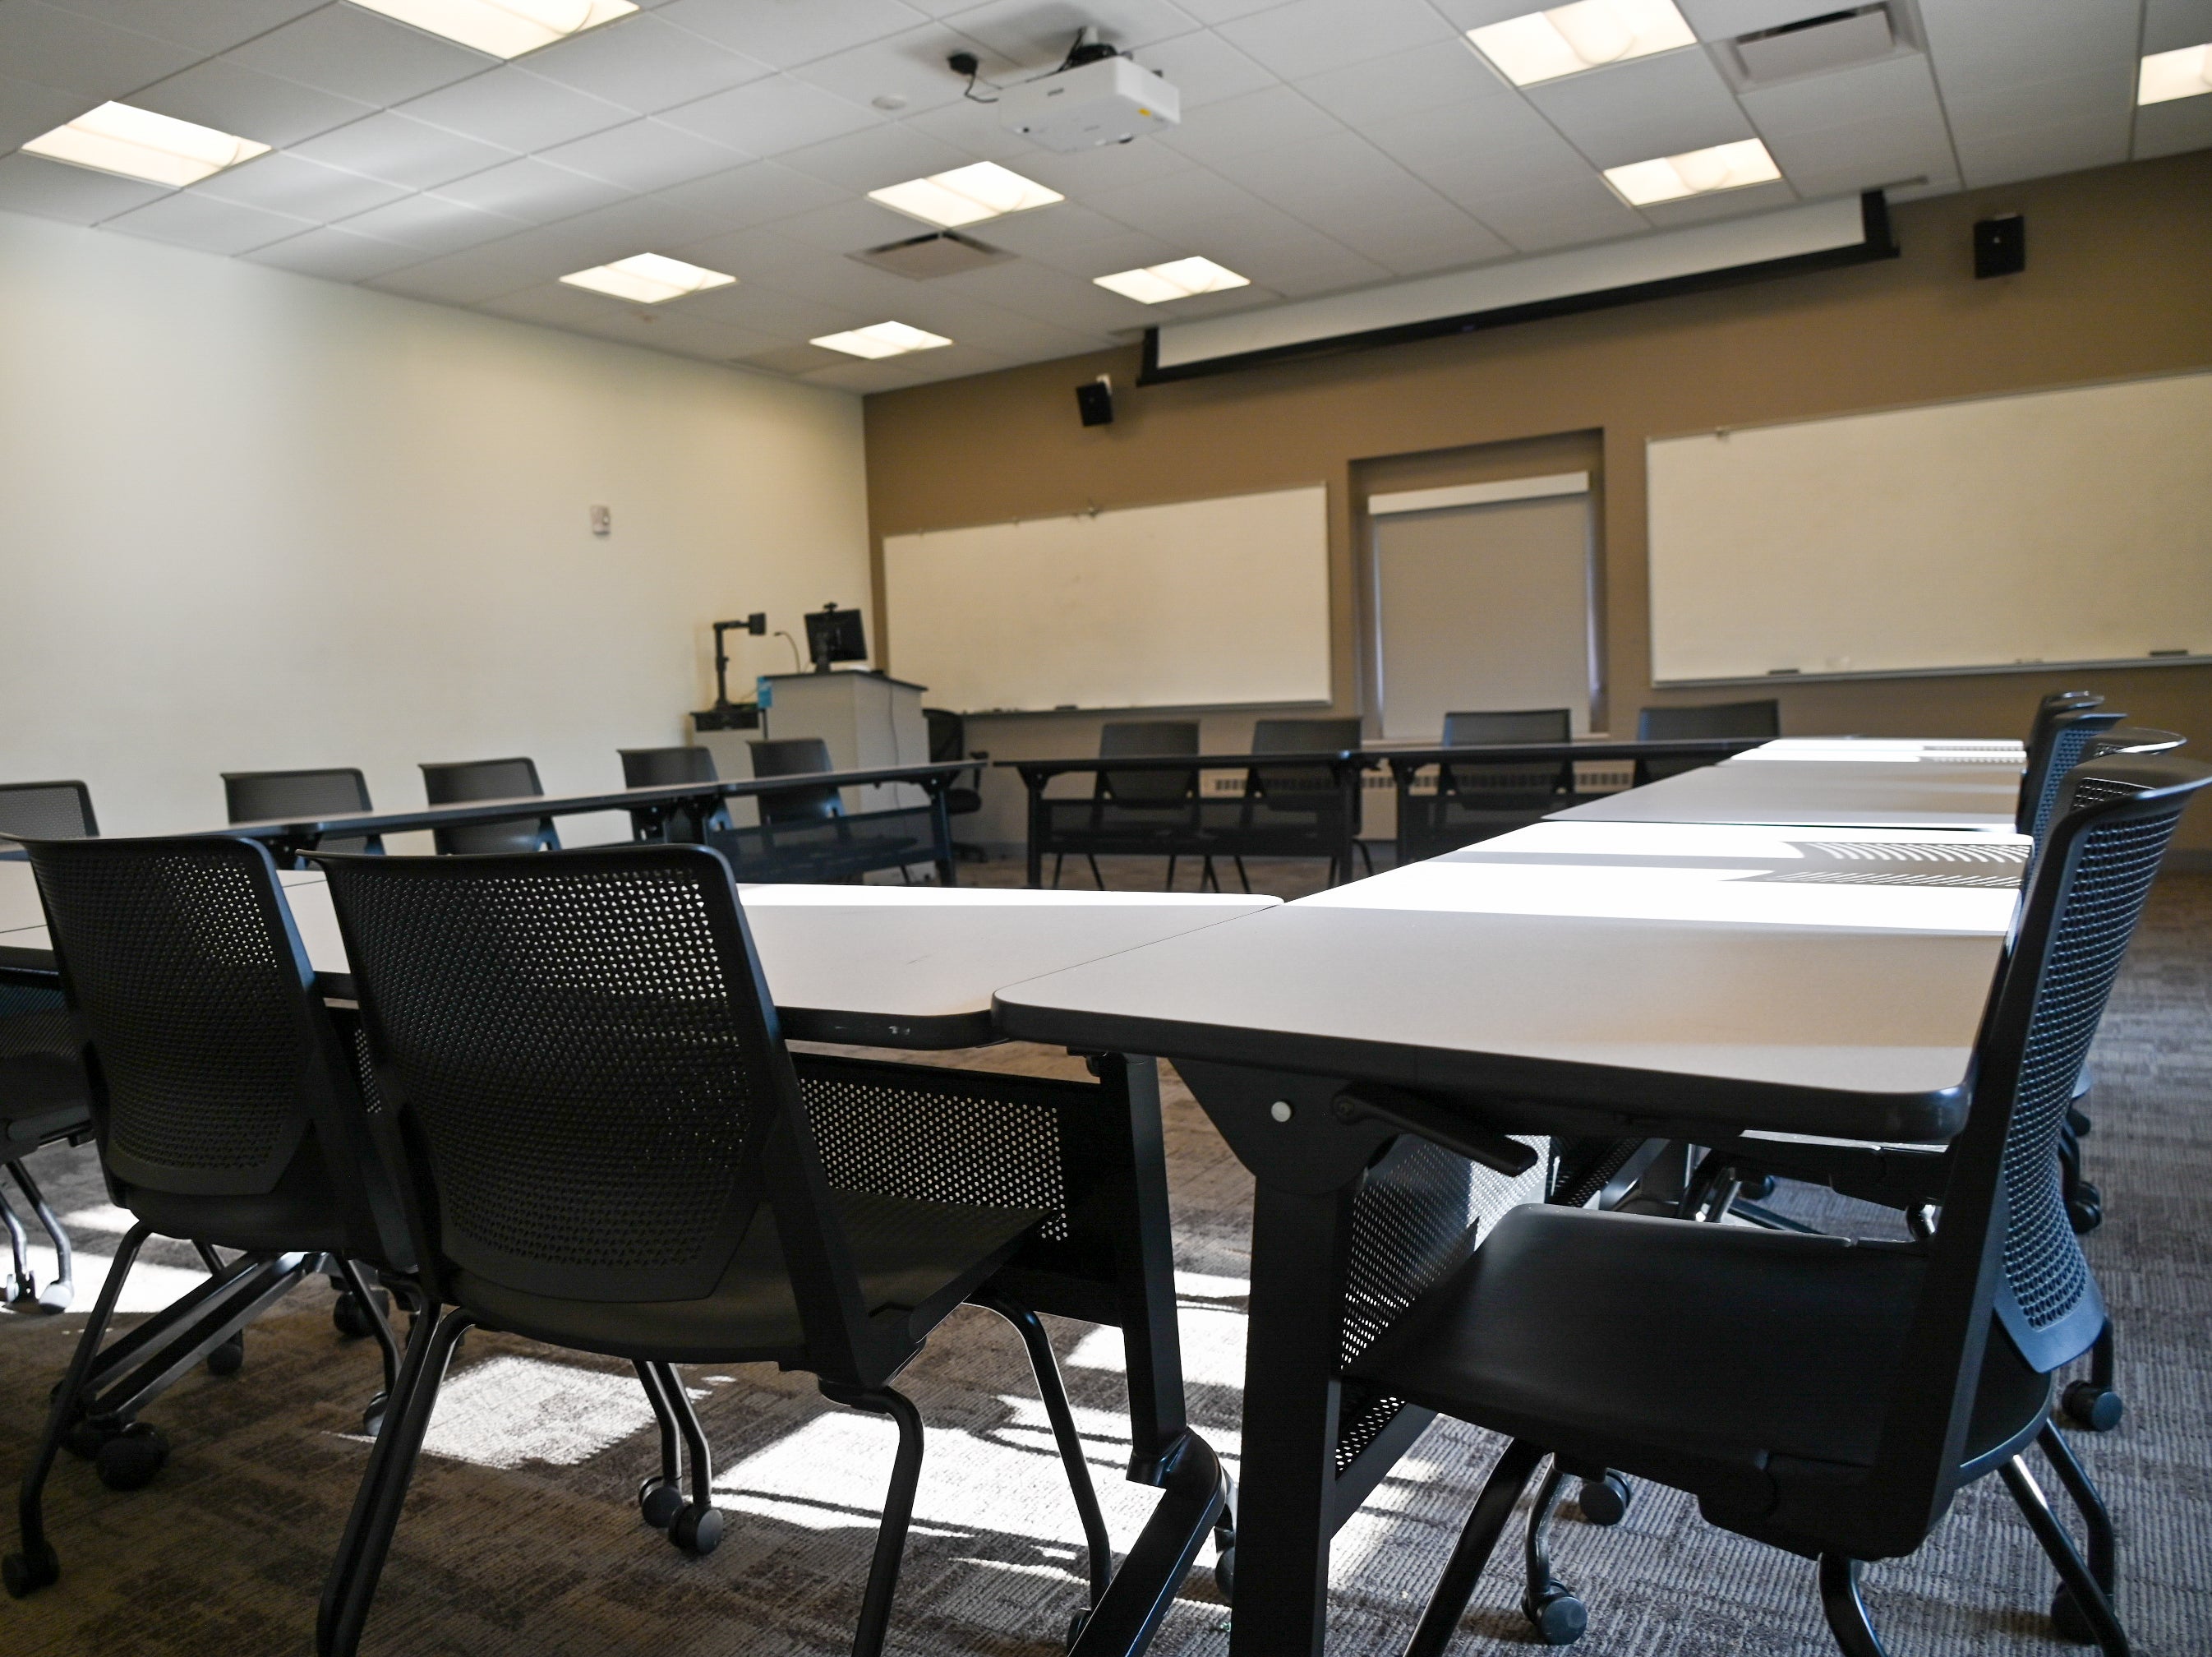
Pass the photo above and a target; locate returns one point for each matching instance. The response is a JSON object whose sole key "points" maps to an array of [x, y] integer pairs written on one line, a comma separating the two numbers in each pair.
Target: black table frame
{"points": [[1195, 838], [1418, 834]]}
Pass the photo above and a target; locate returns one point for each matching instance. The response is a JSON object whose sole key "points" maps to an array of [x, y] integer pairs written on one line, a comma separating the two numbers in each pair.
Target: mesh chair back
{"points": [[454, 782], [212, 1056], [2057, 702], [948, 735], [2080, 910], [1132, 738], [795, 756], [1713, 719], [1463, 730], [582, 1062], [648, 768], [2135, 739], [1298, 736], [47, 811], [258, 796], [2061, 742]]}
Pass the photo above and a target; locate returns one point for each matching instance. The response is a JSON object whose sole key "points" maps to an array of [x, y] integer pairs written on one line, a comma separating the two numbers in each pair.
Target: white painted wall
{"points": [[251, 520]]}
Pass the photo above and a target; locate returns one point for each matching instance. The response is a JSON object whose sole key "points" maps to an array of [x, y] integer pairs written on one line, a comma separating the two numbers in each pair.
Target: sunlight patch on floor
{"points": [[510, 1411]]}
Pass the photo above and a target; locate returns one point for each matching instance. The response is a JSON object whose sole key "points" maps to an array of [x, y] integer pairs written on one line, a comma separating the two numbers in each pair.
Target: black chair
{"points": [[2060, 741], [1276, 790], [1476, 801], [1143, 804], [646, 768], [228, 1113], [45, 1097], [454, 782], [1821, 1395], [605, 1147], [948, 743], [1761, 718], [258, 796], [795, 756]]}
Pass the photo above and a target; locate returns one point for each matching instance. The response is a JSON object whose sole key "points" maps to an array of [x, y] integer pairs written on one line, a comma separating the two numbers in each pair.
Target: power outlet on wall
{"points": [[603, 520]]}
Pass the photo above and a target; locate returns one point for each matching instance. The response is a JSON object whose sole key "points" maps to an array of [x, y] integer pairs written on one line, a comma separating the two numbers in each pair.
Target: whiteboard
{"points": [[1199, 604], [2058, 527]]}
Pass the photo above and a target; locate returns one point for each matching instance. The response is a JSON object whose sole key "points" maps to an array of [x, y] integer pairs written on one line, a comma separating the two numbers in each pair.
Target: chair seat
{"points": [[44, 1095], [1742, 1366], [916, 1260]]}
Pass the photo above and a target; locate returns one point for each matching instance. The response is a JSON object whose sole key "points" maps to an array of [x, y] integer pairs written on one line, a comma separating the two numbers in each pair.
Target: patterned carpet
{"points": [[520, 1539]]}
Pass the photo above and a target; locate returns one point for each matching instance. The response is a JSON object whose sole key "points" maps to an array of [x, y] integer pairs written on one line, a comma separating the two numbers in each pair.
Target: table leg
{"points": [[1037, 834]]}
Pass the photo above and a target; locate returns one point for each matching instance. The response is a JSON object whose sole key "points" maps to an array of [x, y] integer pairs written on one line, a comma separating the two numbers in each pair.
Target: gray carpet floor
{"points": [[520, 1539]]}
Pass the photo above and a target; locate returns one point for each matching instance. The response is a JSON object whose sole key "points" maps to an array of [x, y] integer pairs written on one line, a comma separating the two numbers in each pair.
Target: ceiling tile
{"points": [[306, 190], [1988, 158], [2012, 40], [515, 110], [1468, 152], [873, 158], [73, 52], [2168, 129], [635, 224], [1037, 34], [1123, 250], [432, 223], [850, 225], [552, 304], [1658, 106], [908, 66], [31, 183], [771, 117], [476, 275], [768, 310], [1186, 206], [1564, 214], [1723, 20], [1204, 68], [2169, 25], [1893, 90], [754, 193], [647, 155], [27, 109], [794, 359], [1312, 264], [402, 151], [1444, 73], [220, 95], [1257, 122], [335, 255], [1041, 294], [782, 34], [1834, 161], [1308, 36], [201, 221], [971, 128], [1053, 230], [205, 26], [1081, 175], [359, 54], [1294, 175], [644, 63], [532, 190], [1211, 12]]}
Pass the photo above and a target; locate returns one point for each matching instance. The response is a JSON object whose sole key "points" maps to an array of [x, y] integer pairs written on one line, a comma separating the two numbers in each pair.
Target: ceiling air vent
{"points": [[946, 253], [1835, 39]]}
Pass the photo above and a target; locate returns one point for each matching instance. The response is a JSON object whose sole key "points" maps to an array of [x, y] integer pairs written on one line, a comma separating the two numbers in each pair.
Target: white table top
{"points": [[908, 967], [1877, 750], [1915, 793], [1882, 880]]}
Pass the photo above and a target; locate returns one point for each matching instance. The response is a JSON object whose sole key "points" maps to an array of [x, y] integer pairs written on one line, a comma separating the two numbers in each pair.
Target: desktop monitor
{"points": [[834, 634]]}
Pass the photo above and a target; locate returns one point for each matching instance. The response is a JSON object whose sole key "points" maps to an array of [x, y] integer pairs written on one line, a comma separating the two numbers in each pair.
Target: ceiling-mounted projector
{"points": [[1108, 99]]}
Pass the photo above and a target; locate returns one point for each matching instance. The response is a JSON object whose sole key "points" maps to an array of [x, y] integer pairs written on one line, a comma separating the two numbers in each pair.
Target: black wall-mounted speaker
{"points": [[2000, 246], [1095, 402]]}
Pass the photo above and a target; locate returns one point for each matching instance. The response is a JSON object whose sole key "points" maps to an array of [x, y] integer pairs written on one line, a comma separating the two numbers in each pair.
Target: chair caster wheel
{"points": [[350, 1319], [372, 1418], [2085, 1209], [1555, 1615], [229, 1358], [129, 1460], [1075, 1621], [2099, 1408], [1224, 1574], [27, 1573], [659, 1503], [57, 1295], [83, 1440], [1604, 1500], [697, 1531], [2067, 1620], [1757, 1188]]}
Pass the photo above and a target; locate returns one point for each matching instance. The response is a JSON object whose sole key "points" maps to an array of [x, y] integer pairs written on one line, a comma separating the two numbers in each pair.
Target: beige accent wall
{"points": [[2118, 284]]}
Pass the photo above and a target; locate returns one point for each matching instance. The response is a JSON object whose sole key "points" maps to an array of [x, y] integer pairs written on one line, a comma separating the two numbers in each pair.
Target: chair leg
{"points": [[2093, 1403], [898, 1508], [2096, 1518], [1096, 1540], [57, 1295], [352, 1584], [1448, 1603], [660, 1497], [1241, 875], [1846, 1611], [696, 1528], [1095, 874], [1057, 860], [386, 1346], [1167, 885], [20, 1286], [35, 1565], [1555, 1616], [1365, 855], [2089, 1600]]}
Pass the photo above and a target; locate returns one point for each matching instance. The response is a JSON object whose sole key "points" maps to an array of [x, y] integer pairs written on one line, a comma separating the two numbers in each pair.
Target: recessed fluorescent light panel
{"points": [[1695, 172], [882, 340], [1543, 46], [648, 278], [2170, 74], [505, 28], [966, 195], [1156, 284], [137, 144]]}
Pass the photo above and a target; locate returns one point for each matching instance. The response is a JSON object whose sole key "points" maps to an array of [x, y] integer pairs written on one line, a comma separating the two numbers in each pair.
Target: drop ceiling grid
{"points": [[1325, 144]]}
